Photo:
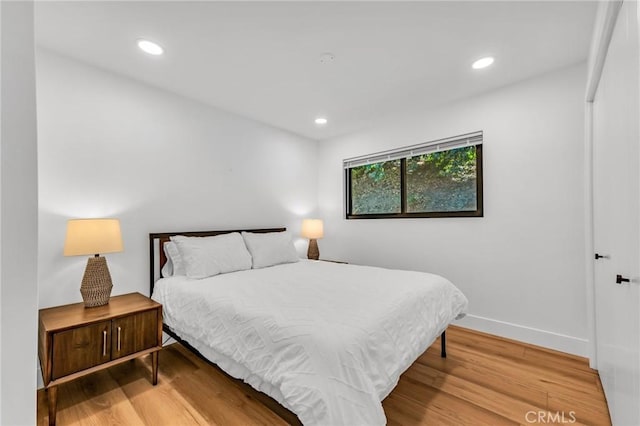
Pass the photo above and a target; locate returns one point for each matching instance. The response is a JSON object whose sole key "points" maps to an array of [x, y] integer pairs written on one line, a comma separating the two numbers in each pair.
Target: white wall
{"points": [[18, 216], [522, 264], [113, 147]]}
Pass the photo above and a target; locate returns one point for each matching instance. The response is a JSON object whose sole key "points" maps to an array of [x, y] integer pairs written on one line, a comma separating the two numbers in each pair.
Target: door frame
{"points": [[605, 23]]}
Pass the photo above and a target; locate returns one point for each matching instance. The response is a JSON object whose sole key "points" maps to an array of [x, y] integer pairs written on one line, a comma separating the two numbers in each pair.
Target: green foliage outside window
{"points": [[375, 188], [443, 181]]}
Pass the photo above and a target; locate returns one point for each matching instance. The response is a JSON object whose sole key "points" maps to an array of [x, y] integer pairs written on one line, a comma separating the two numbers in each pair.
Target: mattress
{"points": [[328, 341]]}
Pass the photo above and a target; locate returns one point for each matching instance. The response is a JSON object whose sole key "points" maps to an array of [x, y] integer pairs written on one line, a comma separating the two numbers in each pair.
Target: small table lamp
{"points": [[94, 236], [312, 229]]}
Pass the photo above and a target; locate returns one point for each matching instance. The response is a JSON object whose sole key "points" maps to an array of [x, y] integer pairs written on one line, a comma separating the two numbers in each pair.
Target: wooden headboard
{"points": [[163, 237]]}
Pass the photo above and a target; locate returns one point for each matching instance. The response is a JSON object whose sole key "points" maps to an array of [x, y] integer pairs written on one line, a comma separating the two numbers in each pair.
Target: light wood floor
{"points": [[485, 380]]}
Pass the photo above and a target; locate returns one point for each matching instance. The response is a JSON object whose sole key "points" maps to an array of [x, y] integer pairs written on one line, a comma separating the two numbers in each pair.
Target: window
{"points": [[375, 188], [442, 178]]}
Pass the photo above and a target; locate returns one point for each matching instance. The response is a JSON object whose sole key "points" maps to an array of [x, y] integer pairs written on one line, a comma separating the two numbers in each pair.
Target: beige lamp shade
{"points": [[92, 236], [312, 228]]}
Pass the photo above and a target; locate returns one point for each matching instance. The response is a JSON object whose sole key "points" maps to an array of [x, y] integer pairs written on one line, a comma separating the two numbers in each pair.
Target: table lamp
{"points": [[312, 229], [94, 236]]}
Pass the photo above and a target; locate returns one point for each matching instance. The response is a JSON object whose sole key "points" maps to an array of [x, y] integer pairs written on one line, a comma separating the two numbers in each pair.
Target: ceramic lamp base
{"points": [[313, 252], [96, 283]]}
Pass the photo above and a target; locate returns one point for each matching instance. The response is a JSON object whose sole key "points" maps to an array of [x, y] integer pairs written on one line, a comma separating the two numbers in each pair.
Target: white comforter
{"points": [[328, 341]]}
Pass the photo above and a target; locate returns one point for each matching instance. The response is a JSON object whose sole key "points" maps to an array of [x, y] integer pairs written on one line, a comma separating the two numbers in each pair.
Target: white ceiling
{"points": [[262, 59]]}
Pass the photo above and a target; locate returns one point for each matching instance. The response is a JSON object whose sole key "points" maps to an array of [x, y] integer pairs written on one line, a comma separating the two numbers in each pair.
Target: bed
{"points": [[327, 341]]}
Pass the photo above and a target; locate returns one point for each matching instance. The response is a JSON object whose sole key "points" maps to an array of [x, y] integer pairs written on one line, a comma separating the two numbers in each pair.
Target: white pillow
{"points": [[167, 268], [209, 256], [174, 264], [271, 248]]}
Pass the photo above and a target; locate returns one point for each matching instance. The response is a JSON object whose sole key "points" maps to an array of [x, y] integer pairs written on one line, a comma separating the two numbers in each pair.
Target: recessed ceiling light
{"points": [[321, 120], [150, 47], [482, 63]]}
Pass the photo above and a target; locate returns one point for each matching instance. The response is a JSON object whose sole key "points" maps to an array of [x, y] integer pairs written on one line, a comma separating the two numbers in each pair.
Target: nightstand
{"points": [[74, 341]]}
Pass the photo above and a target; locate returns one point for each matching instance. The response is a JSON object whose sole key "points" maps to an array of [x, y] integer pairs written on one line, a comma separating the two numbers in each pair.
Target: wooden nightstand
{"points": [[74, 341]]}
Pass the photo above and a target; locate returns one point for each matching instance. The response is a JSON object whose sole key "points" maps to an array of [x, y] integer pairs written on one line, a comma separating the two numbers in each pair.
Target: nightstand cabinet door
{"points": [[80, 348], [134, 333]]}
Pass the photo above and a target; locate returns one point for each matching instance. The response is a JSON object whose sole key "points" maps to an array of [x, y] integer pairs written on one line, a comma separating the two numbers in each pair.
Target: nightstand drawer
{"points": [[134, 333], [80, 348]]}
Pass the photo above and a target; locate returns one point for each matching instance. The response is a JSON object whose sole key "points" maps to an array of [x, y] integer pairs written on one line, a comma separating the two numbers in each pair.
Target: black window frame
{"points": [[479, 212]]}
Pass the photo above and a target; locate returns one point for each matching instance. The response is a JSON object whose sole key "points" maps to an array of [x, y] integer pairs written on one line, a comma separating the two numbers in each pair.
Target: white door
{"points": [[616, 124]]}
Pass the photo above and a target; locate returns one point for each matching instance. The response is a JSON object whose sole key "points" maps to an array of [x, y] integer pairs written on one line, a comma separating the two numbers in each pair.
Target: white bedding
{"points": [[328, 341]]}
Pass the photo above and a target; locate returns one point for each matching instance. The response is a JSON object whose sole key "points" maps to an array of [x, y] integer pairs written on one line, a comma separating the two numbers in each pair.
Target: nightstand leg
{"points": [[52, 396], [154, 367]]}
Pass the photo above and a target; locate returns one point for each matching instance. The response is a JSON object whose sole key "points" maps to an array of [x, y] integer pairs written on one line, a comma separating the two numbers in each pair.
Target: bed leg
{"points": [[443, 345]]}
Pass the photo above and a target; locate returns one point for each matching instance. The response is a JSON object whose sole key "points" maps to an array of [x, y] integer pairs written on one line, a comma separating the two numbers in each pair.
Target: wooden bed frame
{"points": [[160, 238]]}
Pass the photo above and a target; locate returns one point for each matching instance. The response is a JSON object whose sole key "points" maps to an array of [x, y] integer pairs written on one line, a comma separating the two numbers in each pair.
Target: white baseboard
{"points": [[548, 339]]}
